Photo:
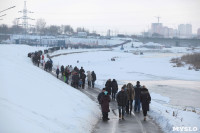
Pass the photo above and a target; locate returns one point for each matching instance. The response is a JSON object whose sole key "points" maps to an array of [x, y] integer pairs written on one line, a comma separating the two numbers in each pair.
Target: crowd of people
{"points": [[76, 76], [124, 98]]}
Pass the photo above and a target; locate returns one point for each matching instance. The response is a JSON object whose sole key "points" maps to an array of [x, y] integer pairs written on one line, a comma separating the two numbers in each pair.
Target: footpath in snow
{"points": [[175, 91]]}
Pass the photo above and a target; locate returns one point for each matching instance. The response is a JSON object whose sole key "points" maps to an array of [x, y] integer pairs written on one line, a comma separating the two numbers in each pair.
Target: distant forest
{"points": [[40, 28]]}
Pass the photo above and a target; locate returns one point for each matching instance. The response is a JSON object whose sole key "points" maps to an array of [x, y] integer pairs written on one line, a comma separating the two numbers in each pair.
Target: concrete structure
{"points": [[185, 30], [156, 28], [198, 33], [82, 34], [171, 41]]}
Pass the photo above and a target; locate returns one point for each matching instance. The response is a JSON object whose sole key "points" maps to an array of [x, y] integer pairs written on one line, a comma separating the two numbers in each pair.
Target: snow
{"points": [[171, 88], [33, 101], [163, 115], [40, 102]]}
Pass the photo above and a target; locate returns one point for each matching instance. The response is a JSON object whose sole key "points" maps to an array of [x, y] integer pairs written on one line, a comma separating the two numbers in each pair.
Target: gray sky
{"points": [[125, 16]]}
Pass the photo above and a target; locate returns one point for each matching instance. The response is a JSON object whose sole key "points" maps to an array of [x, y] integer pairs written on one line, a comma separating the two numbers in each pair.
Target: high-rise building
{"points": [[198, 33], [185, 30], [156, 28]]}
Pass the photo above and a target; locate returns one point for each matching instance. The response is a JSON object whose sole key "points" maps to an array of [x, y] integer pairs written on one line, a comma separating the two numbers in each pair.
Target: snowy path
{"points": [[131, 123]]}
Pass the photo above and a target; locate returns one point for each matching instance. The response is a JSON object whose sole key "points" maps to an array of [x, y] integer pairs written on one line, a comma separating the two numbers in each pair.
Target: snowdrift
{"points": [[33, 101]]}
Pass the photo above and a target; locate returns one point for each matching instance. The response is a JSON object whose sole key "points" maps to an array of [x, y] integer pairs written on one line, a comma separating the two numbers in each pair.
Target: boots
{"points": [[119, 116], [122, 117], [145, 118]]}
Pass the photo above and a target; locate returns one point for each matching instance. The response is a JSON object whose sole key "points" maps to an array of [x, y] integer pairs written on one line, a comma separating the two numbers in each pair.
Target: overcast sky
{"points": [[123, 16]]}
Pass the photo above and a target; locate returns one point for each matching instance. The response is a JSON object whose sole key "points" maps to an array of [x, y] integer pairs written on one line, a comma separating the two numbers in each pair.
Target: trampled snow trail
{"points": [[132, 123]]}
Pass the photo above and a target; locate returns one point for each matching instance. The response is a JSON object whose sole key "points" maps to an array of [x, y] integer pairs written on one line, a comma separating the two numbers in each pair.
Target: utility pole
{"points": [[25, 19]]}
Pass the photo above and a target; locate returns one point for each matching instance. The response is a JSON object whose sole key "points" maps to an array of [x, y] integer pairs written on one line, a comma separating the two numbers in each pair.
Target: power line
{"points": [[8, 9], [3, 15]]}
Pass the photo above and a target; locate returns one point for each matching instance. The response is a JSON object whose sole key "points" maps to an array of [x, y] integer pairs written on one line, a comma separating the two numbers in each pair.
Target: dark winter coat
{"points": [[75, 78], [57, 71], [93, 76], [137, 89], [122, 98], [83, 76], [62, 69], [99, 96], [145, 99], [108, 86], [130, 92], [105, 99], [81, 71], [114, 86]]}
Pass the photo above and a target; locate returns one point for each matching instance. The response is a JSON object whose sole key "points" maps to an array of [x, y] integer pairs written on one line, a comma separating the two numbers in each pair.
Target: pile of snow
{"points": [[170, 118], [34, 101]]}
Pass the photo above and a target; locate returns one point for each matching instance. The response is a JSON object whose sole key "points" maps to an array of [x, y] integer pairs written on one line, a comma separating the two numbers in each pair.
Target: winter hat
{"points": [[105, 92]]}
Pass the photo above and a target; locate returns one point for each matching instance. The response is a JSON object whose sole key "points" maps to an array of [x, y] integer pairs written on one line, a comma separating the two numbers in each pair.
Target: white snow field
{"points": [[173, 89], [33, 101]]}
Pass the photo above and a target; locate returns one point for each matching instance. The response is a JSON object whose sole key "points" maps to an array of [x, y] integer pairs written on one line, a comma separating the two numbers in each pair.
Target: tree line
{"points": [[40, 28]]}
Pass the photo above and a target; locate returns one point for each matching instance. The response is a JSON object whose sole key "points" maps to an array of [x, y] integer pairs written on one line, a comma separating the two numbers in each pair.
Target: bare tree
{"points": [[53, 30], [68, 29], [40, 26]]}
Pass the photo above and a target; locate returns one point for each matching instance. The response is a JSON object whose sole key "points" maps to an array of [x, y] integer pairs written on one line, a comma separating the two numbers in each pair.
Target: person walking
{"points": [[89, 78], [105, 99], [131, 97], [108, 86], [121, 101], [57, 72], [81, 71], [114, 88], [93, 78], [62, 69], [137, 89], [83, 76], [145, 99]]}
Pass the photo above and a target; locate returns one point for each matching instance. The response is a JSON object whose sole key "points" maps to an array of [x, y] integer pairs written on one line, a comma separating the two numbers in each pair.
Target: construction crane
{"points": [[158, 17]]}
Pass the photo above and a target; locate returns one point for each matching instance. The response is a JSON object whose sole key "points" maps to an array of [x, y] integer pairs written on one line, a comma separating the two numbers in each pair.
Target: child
{"points": [[80, 83]]}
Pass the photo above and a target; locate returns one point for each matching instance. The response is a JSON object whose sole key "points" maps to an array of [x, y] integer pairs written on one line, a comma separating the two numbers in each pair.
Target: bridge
{"points": [[171, 41]]}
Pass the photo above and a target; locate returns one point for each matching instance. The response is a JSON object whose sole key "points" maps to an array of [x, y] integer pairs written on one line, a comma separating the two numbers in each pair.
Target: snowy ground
{"points": [[180, 86], [33, 101]]}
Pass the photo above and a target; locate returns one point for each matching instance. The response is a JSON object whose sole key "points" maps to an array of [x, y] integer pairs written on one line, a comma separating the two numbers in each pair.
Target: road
{"points": [[132, 123]]}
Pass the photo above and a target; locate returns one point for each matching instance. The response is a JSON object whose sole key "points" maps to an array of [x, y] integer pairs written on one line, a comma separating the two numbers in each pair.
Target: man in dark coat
{"points": [[75, 79], [137, 89], [105, 99], [93, 78], [114, 88], [57, 72], [62, 69], [81, 71], [145, 99], [101, 94], [83, 76], [122, 101], [108, 86]]}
